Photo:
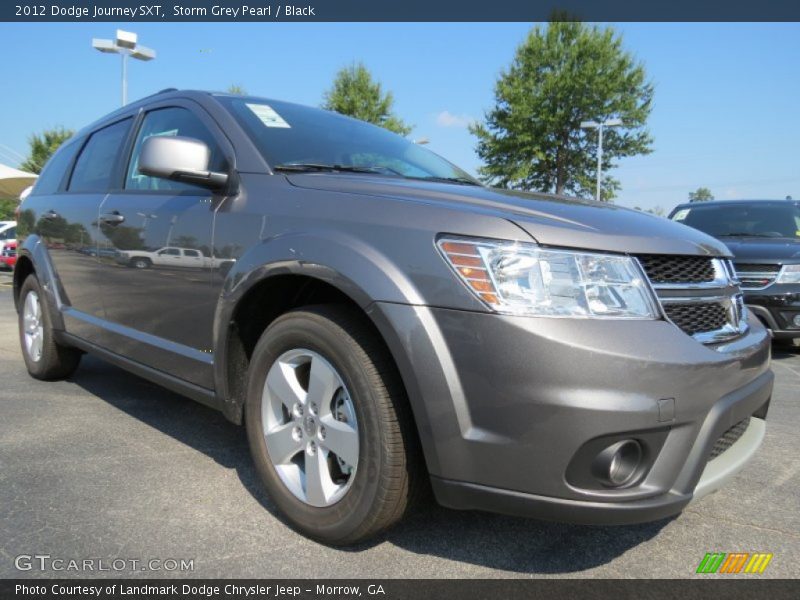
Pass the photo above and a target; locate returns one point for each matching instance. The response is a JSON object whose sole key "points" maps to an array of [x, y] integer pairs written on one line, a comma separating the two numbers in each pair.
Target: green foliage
{"points": [[42, 147], [701, 194], [561, 75], [237, 89], [656, 210], [356, 94], [7, 208]]}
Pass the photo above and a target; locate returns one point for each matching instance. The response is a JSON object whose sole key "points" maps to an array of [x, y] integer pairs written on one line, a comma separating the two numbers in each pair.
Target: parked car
{"points": [[185, 258], [8, 231], [102, 252], [386, 322], [8, 243], [8, 253], [764, 236]]}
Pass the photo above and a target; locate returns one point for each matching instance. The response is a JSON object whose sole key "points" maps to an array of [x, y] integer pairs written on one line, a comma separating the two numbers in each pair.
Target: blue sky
{"points": [[726, 104]]}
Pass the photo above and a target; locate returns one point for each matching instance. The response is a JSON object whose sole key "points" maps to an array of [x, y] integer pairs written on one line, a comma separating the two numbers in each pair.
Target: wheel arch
{"points": [[33, 259]]}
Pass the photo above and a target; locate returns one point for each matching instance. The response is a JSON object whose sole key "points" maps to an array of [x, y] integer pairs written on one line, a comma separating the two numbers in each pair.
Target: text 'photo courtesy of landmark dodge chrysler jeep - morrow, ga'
{"points": [[383, 324]]}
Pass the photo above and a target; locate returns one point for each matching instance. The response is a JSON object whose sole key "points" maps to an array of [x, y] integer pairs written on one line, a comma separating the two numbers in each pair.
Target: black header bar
{"points": [[135, 11]]}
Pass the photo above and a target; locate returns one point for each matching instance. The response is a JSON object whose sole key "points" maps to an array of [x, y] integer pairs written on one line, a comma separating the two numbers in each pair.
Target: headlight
{"points": [[524, 279], [789, 274]]}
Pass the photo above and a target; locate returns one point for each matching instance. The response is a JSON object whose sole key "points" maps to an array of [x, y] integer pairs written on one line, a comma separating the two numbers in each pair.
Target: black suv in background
{"points": [[764, 236]]}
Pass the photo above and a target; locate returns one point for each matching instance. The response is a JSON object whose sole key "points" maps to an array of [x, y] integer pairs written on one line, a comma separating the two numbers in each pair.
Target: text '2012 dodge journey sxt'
{"points": [[380, 322]]}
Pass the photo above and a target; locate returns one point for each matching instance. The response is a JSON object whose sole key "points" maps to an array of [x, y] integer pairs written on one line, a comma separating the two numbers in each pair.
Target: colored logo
{"points": [[734, 562]]}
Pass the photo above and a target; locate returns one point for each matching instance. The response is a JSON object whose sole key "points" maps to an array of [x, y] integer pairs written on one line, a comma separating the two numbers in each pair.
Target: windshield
{"points": [[753, 220], [298, 138]]}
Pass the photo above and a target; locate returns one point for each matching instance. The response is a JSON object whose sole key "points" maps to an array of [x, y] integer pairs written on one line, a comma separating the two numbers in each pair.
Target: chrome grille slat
{"points": [[754, 276], [714, 312]]}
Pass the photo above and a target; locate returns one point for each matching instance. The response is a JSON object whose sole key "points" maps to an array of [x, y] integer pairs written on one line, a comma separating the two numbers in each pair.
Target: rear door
{"points": [[63, 211], [162, 316]]}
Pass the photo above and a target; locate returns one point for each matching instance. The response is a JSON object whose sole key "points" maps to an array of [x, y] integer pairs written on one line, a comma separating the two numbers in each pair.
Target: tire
{"points": [[140, 263], [44, 358], [354, 502]]}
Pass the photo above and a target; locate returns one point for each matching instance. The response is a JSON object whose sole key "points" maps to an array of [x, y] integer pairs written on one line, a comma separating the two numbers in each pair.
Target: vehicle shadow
{"points": [[489, 540]]}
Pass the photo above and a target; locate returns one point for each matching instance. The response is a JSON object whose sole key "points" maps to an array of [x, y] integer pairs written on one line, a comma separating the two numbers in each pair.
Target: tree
{"points": [[237, 89], [8, 207], [356, 94], [561, 75], [42, 147], [701, 194], [656, 210]]}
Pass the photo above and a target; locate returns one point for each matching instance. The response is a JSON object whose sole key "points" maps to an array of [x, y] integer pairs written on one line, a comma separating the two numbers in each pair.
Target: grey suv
{"points": [[382, 323]]}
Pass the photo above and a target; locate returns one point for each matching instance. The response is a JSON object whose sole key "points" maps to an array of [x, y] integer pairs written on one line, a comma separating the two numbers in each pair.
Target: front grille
{"points": [[729, 438], [756, 277], [697, 317], [664, 268], [755, 268]]}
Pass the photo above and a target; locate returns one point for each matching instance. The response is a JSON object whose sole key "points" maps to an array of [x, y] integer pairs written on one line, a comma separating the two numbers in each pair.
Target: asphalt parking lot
{"points": [[106, 465]]}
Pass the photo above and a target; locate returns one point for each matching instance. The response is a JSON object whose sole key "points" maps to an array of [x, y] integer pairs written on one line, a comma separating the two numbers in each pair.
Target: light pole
{"points": [[599, 125], [124, 45]]}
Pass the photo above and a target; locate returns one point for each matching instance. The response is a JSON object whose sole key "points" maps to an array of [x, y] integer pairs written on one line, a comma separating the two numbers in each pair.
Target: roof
{"points": [[736, 203]]}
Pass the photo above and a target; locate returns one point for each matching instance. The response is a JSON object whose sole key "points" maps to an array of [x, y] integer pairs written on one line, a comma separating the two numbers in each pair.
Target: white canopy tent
{"points": [[14, 181]]}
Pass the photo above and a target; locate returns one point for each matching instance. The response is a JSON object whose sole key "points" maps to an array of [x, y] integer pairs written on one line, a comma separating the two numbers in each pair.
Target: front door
{"points": [[155, 251]]}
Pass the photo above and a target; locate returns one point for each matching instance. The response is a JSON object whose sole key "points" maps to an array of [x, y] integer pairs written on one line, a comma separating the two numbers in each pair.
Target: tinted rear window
{"points": [[55, 169], [95, 165]]}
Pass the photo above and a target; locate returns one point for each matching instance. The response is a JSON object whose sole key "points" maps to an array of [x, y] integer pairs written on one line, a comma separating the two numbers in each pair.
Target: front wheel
{"points": [[140, 263], [44, 357], [329, 427]]}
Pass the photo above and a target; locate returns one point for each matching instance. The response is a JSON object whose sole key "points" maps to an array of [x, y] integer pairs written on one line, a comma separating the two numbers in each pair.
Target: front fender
{"points": [[356, 269]]}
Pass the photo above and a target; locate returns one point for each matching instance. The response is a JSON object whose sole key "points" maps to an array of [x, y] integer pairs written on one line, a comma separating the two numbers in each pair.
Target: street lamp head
{"points": [[126, 39], [612, 123], [107, 46], [143, 53], [589, 124]]}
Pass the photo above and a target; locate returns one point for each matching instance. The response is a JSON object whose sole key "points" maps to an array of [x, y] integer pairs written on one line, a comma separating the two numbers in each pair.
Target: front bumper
{"points": [[776, 306], [505, 407]]}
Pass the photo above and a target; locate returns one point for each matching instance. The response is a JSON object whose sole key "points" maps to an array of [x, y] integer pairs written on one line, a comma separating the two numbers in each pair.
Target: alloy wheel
{"points": [[310, 427], [33, 328]]}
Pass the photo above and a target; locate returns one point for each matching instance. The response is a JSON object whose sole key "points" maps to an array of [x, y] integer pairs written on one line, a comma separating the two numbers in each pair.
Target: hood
{"points": [[781, 249], [550, 220]]}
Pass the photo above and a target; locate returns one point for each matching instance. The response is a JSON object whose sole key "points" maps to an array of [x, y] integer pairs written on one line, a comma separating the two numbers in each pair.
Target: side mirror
{"points": [[179, 159]]}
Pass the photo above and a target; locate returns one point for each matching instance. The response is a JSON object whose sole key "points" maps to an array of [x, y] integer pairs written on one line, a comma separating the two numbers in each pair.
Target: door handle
{"points": [[112, 218], [50, 215]]}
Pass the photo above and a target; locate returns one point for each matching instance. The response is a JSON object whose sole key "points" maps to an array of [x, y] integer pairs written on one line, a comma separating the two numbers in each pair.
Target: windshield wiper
{"points": [[745, 234], [458, 180], [308, 167]]}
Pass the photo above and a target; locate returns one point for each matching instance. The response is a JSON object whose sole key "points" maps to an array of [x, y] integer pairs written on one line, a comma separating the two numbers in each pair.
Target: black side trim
{"points": [[469, 496], [179, 386]]}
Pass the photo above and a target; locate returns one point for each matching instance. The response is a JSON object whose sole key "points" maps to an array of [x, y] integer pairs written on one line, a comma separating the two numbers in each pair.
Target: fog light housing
{"points": [[796, 320], [618, 464]]}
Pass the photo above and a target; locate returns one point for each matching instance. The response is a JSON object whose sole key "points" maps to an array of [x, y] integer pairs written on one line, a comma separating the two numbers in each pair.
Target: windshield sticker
{"points": [[268, 116], [169, 132], [681, 214]]}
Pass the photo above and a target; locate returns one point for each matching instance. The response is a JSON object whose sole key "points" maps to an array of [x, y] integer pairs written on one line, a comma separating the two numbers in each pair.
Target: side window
{"points": [[95, 165], [192, 253], [174, 122], [55, 169], [9, 234]]}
